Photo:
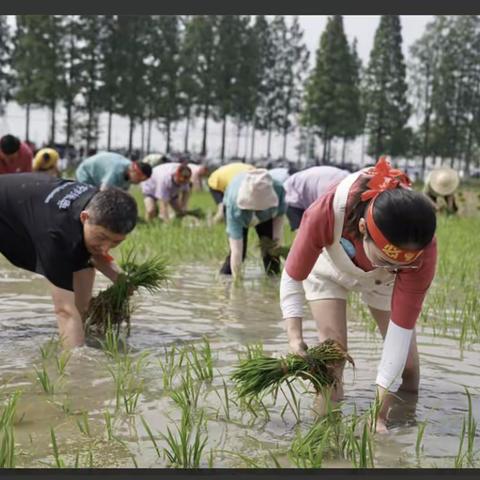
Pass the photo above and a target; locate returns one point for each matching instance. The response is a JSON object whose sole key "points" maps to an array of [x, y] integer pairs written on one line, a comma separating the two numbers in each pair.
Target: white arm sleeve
{"points": [[291, 296], [394, 355]]}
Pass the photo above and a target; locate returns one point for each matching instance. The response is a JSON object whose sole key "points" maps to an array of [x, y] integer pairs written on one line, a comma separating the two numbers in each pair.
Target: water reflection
{"points": [[199, 302]]}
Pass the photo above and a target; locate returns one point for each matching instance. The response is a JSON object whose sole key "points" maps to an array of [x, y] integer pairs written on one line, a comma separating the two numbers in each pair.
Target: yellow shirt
{"points": [[221, 177]]}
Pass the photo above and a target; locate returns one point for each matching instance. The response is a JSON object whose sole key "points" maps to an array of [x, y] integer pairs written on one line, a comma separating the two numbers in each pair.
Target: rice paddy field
{"points": [[164, 397]]}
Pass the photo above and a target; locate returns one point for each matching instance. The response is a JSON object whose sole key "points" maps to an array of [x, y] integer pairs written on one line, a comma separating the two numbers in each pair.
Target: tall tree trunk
{"points": [[149, 135], [142, 133], [344, 148], [53, 125], [245, 149], [363, 149], [269, 141], [27, 125], [187, 131], [89, 125], [426, 122], [130, 135], [206, 110], [224, 131], [237, 148], [254, 128], [325, 144], [69, 124], [168, 134], [284, 150], [109, 136]]}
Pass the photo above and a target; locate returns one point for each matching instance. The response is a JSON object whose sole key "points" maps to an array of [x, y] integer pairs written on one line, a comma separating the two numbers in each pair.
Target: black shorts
{"points": [[294, 216], [217, 195]]}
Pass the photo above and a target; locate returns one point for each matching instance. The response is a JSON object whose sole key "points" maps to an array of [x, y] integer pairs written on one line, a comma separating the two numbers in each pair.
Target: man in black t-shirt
{"points": [[61, 229]]}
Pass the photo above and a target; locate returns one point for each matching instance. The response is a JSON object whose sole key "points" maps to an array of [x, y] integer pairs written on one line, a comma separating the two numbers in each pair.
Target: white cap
{"points": [[256, 191]]}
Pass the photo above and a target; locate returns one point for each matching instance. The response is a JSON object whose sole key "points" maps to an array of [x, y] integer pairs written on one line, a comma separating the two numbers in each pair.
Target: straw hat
{"points": [[443, 181], [45, 159], [256, 191]]}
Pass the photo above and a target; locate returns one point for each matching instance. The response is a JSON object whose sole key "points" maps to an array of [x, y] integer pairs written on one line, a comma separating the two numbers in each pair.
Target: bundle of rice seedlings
{"points": [[195, 212], [111, 307], [257, 374], [271, 247]]}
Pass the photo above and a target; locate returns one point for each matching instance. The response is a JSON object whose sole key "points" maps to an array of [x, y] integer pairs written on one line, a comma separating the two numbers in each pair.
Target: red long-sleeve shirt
{"points": [[316, 232]]}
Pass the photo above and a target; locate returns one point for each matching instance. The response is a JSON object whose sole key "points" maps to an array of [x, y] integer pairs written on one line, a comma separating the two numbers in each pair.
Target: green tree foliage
{"points": [[189, 87], [332, 99], [131, 68], [163, 73], [228, 58], [110, 70], [388, 110], [91, 32], [69, 34], [202, 36], [262, 62], [36, 63], [268, 110], [293, 63]]}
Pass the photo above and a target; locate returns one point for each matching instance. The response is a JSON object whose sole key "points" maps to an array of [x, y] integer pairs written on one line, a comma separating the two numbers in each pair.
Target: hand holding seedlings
{"points": [[259, 373]]}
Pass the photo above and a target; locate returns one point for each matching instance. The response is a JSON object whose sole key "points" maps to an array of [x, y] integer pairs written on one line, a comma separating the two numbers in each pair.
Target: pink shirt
{"points": [[21, 161], [316, 231]]}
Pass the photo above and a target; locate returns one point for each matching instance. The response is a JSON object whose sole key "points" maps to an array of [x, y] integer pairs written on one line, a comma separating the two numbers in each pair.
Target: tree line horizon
{"points": [[252, 71]]}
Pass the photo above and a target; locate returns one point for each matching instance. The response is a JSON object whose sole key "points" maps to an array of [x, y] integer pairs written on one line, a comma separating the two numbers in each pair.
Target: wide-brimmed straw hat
{"points": [[443, 181], [256, 191]]}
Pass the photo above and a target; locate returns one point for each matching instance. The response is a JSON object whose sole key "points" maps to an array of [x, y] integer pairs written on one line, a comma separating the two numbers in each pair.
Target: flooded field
{"points": [[170, 401]]}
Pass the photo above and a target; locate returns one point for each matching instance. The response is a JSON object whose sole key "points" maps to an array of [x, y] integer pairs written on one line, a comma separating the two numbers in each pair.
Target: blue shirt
{"points": [[104, 168], [280, 174], [237, 219]]}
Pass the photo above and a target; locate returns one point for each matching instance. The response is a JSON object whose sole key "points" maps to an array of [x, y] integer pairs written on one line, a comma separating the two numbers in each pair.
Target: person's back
{"points": [[304, 187], [222, 176], [104, 169]]}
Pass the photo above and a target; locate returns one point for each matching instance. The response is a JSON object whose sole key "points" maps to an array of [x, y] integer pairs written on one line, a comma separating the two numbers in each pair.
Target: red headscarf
{"points": [[386, 178]]}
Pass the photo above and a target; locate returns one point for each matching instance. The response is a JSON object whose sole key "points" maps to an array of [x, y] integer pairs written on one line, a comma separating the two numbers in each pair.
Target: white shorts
{"points": [[324, 282]]}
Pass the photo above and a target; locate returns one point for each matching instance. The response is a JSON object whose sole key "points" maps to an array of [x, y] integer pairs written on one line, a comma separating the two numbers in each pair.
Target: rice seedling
{"points": [[169, 367], [225, 401], [150, 435], [201, 361], [44, 380], [131, 395], [468, 433], [59, 463], [186, 397], [50, 347], [62, 361], [420, 435], [112, 306], [7, 443], [261, 373], [184, 449], [113, 345], [108, 425], [83, 424]]}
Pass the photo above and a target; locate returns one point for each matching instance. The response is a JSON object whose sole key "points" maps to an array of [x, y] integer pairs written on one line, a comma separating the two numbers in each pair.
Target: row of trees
{"points": [[156, 69], [252, 71]]}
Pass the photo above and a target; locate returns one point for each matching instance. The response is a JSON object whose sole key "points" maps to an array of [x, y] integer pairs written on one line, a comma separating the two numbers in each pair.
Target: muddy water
{"points": [[200, 303]]}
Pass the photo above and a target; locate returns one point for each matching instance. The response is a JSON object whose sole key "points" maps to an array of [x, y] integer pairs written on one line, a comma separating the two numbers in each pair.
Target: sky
{"points": [[361, 27]]}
